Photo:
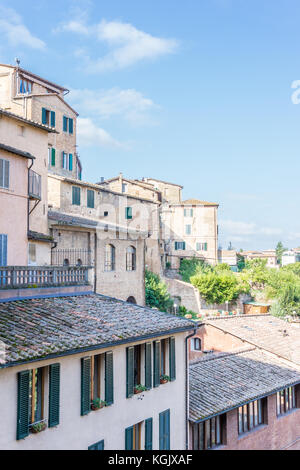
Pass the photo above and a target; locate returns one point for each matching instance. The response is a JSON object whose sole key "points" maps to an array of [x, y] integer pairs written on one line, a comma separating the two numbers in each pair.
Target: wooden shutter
{"points": [[53, 156], [148, 366], [71, 126], [3, 250], [172, 358], [205, 246], [129, 371], [44, 116], [85, 385], [90, 199], [65, 124], [109, 378], [148, 433], [6, 174], [23, 405], [164, 430], [128, 213], [54, 395], [75, 196], [156, 363], [97, 446], [70, 162], [176, 245], [183, 245], [129, 438], [52, 119]]}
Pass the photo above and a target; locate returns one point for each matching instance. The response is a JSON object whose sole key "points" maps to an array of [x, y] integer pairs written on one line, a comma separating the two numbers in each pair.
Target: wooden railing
{"points": [[15, 277]]}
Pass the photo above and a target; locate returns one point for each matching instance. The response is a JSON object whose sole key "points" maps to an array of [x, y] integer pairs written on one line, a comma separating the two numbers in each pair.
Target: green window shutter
{"points": [[205, 246], [85, 385], [176, 245], [70, 126], [53, 156], [148, 366], [172, 358], [109, 378], [90, 199], [54, 392], [148, 433], [128, 212], [183, 246], [156, 363], [164, 430], [70, 162], [75, 196], [129, 372], [52, 118], [129, 438], [65, 124], [97, 446], [3, 252], [23, 405], [44, 116]]}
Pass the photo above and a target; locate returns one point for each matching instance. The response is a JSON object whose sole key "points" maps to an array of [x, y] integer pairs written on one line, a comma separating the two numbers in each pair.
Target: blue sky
{"points": [[195, 92]]}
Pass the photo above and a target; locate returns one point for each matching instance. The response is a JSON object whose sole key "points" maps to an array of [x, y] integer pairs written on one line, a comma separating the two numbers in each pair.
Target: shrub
{"points": [[218, 288], [190, 267], [157, 293]]}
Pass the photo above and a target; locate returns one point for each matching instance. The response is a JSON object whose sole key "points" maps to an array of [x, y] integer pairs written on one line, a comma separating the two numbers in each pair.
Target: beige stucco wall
{"points": [[170, 192], [133, 188], [77, 432]]}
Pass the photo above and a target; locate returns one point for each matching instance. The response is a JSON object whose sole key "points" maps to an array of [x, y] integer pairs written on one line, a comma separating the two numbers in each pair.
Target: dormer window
{"points": [[25, 86]]}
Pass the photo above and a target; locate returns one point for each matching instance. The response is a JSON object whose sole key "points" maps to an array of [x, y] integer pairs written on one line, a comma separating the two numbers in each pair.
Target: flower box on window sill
{"points": [[139, 389], [38, 427], [164, 379], [97, 404]]}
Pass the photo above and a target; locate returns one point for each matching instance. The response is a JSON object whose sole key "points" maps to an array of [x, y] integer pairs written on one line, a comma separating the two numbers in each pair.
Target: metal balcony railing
{"points": [[71, 257], [17, 277], [35, 185]]}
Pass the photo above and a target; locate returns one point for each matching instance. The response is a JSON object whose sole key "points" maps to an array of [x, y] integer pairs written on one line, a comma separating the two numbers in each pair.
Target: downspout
{"points": [[187, 386], [28, 200]]}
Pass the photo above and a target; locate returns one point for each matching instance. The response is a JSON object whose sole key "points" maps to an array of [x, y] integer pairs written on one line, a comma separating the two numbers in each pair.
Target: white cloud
{"points": [[129, 104], [245, 228], [16, 33], [128, 45], [89, 134]]}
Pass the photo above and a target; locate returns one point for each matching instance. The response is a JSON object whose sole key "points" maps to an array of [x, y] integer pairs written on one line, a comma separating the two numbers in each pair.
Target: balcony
{"points": [[19, 277], [71, 257], [34, 185]]}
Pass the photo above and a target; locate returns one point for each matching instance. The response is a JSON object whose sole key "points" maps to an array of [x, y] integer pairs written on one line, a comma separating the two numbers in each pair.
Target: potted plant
{"points": [[38, 427], [97, 404], [164, 379], [139, 389]]}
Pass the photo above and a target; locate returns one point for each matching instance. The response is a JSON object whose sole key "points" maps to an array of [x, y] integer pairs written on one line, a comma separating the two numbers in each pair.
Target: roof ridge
{"points": [[214, 356]]}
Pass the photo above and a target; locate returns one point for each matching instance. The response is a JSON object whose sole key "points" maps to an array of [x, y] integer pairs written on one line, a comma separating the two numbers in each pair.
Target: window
{"points": [[64, 162], [138, 369], [164, 361], [128, 212], [70, 162], [131, 259], [164, 430], [188, 229], [179, 245], [51, 156], [98, 446], [48, 117], [75, 196], [201, 247], [68, 125], [133, 437], [31, 253], [188, 212], [251, 415], [31, 399], [25, 86], [110, 256], [3, 251], [4, 173], [209, 434], [97, 388], [124, 188], [105, 213], [90, 199], [195, 344], [285, 400]]}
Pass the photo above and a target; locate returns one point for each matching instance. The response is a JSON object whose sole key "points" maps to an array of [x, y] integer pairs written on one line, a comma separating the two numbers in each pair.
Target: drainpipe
{"points": [[187, 386], [28, 203]]}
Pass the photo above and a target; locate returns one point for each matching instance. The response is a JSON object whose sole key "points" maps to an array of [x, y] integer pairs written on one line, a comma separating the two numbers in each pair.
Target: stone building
{"points": [[35, 98], [86, 371], [112, 232], [24, 236], [249, 367]]}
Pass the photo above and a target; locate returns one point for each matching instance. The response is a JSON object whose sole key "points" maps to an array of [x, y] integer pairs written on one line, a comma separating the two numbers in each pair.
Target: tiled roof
{"points": [[42, 237], [32, 329], [221, 382], [27, 121], [197, 202], [15, 151], [264, 331]]}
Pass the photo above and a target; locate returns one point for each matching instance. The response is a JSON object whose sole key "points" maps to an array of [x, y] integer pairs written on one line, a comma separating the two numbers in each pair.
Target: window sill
{"points": [[257, 428], [287, 413]]}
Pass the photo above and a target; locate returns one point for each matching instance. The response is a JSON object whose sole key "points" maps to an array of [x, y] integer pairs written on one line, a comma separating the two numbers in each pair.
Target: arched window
{"points": [[131, 259], [110, 256], [66, 262], [131, 300], [79, 262]]}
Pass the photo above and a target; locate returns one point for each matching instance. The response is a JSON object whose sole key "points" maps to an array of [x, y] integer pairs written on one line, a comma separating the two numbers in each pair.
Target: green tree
{"points": [[217, 288], [279, 251], [190, 267], [156, 292]]}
